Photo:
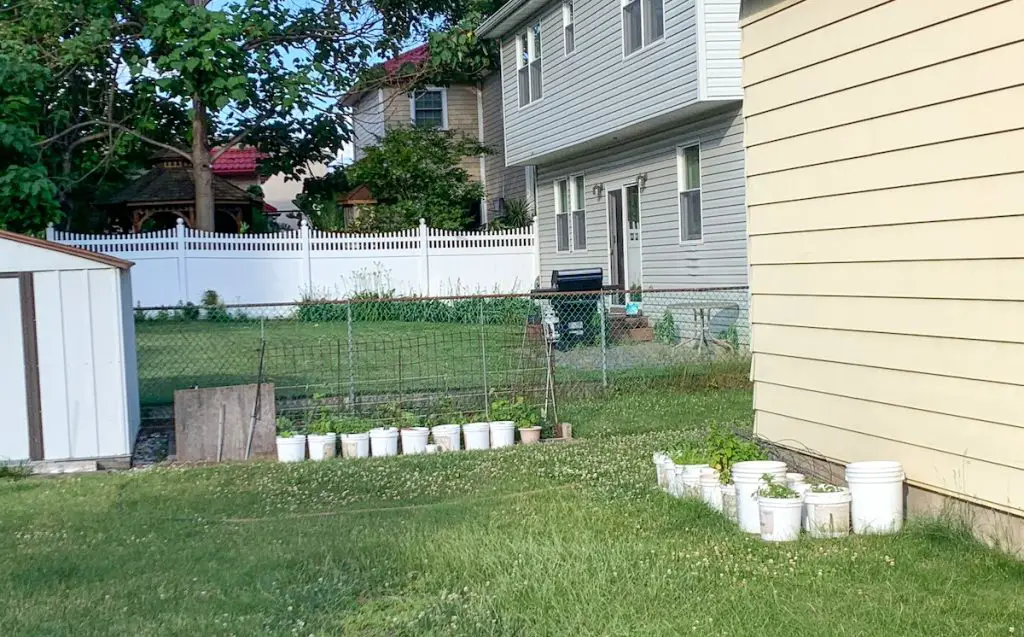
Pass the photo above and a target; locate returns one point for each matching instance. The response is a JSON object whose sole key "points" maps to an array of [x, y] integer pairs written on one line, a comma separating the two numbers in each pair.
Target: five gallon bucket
{"points": [[384, 442], [414, 440], [447, 437], [478, 435], [747, 476], [355, 445], [503, 433], [877, 491]]}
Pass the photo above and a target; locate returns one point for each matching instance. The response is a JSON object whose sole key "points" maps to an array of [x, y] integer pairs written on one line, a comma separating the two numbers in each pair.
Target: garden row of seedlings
{"points": [[358, 437], [764, 498]]}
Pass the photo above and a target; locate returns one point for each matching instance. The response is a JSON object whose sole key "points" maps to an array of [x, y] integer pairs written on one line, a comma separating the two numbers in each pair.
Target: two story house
{"points": [[470, 109], [627, 117]]}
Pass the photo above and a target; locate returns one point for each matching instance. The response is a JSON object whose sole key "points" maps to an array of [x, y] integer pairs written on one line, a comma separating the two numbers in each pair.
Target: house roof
{"points": [[509, 16], [162, 184], [238, 161], [359, 195], [60, 247], [392, 71]]}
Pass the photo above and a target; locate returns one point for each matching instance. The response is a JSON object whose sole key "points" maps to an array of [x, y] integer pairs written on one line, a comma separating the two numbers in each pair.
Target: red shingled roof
{"points": [[238, 161], [414, 56]]}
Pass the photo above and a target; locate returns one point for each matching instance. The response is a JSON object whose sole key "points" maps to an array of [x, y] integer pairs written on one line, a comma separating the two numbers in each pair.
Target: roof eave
{"points": [[510, 15]]}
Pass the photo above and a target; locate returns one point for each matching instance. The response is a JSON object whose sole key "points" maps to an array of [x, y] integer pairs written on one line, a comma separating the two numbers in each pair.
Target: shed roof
{"points": [[60, 247]]}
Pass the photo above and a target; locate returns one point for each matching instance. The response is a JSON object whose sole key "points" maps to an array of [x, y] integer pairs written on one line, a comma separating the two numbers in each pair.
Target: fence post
{"points": [[51, 235], [351, 366], [424, 258], [307, 274], [182, 255], [483, 353], [604, 342], [535, 231]]}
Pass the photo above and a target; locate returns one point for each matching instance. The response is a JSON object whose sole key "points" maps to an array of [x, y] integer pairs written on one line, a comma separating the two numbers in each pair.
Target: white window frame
{"points": [[574, 207], [533, 54], [559, 212], [681, 188], [444, 104], [568, 22], [644, 42]]}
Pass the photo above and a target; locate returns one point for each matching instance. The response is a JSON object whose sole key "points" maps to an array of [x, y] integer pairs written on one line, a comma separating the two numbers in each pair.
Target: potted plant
{"points": [[291, 446], [689, 462], [414, 437], [322, 436], [502, 423], [827, 511], [780, 509], [524, 415], [355, 437]]}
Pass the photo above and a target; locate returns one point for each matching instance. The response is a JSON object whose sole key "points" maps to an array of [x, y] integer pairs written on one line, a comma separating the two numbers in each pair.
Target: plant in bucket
{"points": [[291, 446], [780, 510], [711, 489], [322, 436], [692, 460], [748, 476], [504, 416], [827, 511], [354, 435]]}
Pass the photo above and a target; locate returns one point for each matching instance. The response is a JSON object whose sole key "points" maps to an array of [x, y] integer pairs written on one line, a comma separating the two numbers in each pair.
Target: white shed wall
{"points": [[14, 420]]}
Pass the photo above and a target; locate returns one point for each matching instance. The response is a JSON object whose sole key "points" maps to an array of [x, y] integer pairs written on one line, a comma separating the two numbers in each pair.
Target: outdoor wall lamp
{"points": [[641, 181], [597, 190]]}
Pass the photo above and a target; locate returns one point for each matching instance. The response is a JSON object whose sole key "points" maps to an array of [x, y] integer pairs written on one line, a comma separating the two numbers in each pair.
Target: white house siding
{"points": [[508, 182], [82, 364], [720, 49], [367, 122], [720, 260]]}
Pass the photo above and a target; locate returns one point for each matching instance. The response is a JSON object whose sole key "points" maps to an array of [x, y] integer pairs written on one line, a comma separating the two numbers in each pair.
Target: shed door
{"points": [[13, 406]]}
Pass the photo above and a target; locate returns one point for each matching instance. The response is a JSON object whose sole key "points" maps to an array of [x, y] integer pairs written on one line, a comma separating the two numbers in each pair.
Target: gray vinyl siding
{"points": [[367, 123], [595, 91], [719, 260], [500, 180], [723, 69]]}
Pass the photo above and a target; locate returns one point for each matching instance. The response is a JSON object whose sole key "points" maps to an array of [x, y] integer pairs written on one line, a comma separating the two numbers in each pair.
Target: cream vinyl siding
{"points": [[885, 191]]}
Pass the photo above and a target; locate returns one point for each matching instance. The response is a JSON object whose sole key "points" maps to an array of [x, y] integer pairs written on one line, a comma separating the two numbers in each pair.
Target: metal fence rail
{"points": [[440, 356]]}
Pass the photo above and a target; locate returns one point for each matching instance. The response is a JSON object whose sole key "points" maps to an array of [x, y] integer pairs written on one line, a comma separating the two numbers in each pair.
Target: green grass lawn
{"points": [[569, 539]]}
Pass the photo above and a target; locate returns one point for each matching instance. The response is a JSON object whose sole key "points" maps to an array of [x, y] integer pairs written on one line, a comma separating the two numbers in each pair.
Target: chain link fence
{"points": [[443, 358]]}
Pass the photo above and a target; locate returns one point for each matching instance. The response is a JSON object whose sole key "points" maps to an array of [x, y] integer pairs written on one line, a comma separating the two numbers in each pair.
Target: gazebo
{"points": [[166, 192]]}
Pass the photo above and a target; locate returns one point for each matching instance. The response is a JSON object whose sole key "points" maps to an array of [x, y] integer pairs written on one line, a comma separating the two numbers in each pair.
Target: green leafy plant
{"points": [[518, 411], [691, 454], [665, 329], [726, 449], [731, 335], [285, 427], [825, 488], [15, 471], [187, 312], [323, 423], [516, 214], [351, 425], [775, 490], [213, 308]]}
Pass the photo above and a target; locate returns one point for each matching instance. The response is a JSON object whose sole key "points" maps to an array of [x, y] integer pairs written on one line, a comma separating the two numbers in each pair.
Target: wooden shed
{"points": [[68, 379]]}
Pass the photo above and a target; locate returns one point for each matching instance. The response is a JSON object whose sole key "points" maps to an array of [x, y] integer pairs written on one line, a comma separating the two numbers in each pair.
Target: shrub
{"points": [[665, 329], [187, 312], [213, 308]]}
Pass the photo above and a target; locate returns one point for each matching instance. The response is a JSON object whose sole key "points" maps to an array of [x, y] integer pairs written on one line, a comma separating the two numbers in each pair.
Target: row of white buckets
{"points": [[384, 441], [871, 504]]}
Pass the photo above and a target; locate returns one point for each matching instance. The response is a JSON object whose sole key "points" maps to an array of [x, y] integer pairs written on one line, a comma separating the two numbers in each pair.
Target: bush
{"points": [[213, 308], [665, 330]]}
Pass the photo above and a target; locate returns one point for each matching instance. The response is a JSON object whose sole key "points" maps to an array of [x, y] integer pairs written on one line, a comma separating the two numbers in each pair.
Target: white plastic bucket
{"points": [[414, 440], [793, 479], [503, 433], [666, 473], [478, 435], [691, 479], [322, 446], [384, 441], [729, 501], [747, 477], [780, 518], [711, 489], [355, 445], [827, 514], [877, 491], [675, 481], [432, 448], [291, 449], [447, 437]]}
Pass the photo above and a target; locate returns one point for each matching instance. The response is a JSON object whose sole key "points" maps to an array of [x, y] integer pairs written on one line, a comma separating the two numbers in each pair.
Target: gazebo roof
{"points": [[175, 184]]}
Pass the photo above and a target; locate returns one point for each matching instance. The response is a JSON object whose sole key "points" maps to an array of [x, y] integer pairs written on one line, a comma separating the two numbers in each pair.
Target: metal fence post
{"points": [[181, 254], [483, 352], [604, 342], [424, 258], [307, 265], [351, 366]]}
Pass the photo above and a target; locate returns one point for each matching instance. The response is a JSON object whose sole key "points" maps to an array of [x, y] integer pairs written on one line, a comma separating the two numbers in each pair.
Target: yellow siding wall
{"points": [[462, 116], [885, 185]]}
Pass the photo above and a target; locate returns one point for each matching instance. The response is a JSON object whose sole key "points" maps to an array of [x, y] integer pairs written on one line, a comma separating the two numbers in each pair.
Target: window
{"points": [[568, 20], [643, 22], [579, 214], [528, 65], [562, 215], [690, 222], [430, 108]]}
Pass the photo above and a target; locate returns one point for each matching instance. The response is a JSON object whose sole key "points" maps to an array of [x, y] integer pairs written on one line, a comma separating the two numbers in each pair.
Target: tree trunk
{"points": [[202, 171]]}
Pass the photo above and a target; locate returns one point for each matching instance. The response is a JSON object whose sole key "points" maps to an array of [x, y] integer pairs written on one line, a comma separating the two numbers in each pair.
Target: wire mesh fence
{"points": [[441, 359]]}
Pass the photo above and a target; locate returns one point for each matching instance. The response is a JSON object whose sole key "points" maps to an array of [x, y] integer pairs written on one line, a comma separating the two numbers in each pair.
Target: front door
{"points": [[616, 241]]}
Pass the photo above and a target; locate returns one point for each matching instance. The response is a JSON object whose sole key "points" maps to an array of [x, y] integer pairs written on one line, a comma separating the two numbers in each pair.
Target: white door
{"points": [[13, 402]]}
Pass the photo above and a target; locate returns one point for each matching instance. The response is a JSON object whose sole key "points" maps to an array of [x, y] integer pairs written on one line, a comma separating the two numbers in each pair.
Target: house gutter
{"points": [[510, 15]]}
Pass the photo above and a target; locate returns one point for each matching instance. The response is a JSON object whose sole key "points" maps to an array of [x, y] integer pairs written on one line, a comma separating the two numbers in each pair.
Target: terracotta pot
{"points": [[529, 435]]}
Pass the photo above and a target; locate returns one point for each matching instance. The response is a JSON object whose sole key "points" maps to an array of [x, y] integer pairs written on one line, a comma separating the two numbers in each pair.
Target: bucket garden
{"points": [[321, 434], [735, 477]]}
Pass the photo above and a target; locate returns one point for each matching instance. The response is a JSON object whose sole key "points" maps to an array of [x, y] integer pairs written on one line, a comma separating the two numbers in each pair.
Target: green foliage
{"points": [[382, 306], [414, 173], [518, 411], [731, 335], [187, 312], [691, 454], [15, 471], [285, 427], [726, 449], [213, 308], [775, 490], [319, 200], [665, 330]]}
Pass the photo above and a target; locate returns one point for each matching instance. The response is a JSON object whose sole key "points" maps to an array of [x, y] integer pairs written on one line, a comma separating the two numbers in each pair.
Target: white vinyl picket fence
{"points": [[178, 265]]}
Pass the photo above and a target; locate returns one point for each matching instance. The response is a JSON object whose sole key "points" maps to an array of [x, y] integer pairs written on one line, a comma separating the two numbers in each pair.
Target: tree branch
{"points": [[234, 141], [115, 126]]}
